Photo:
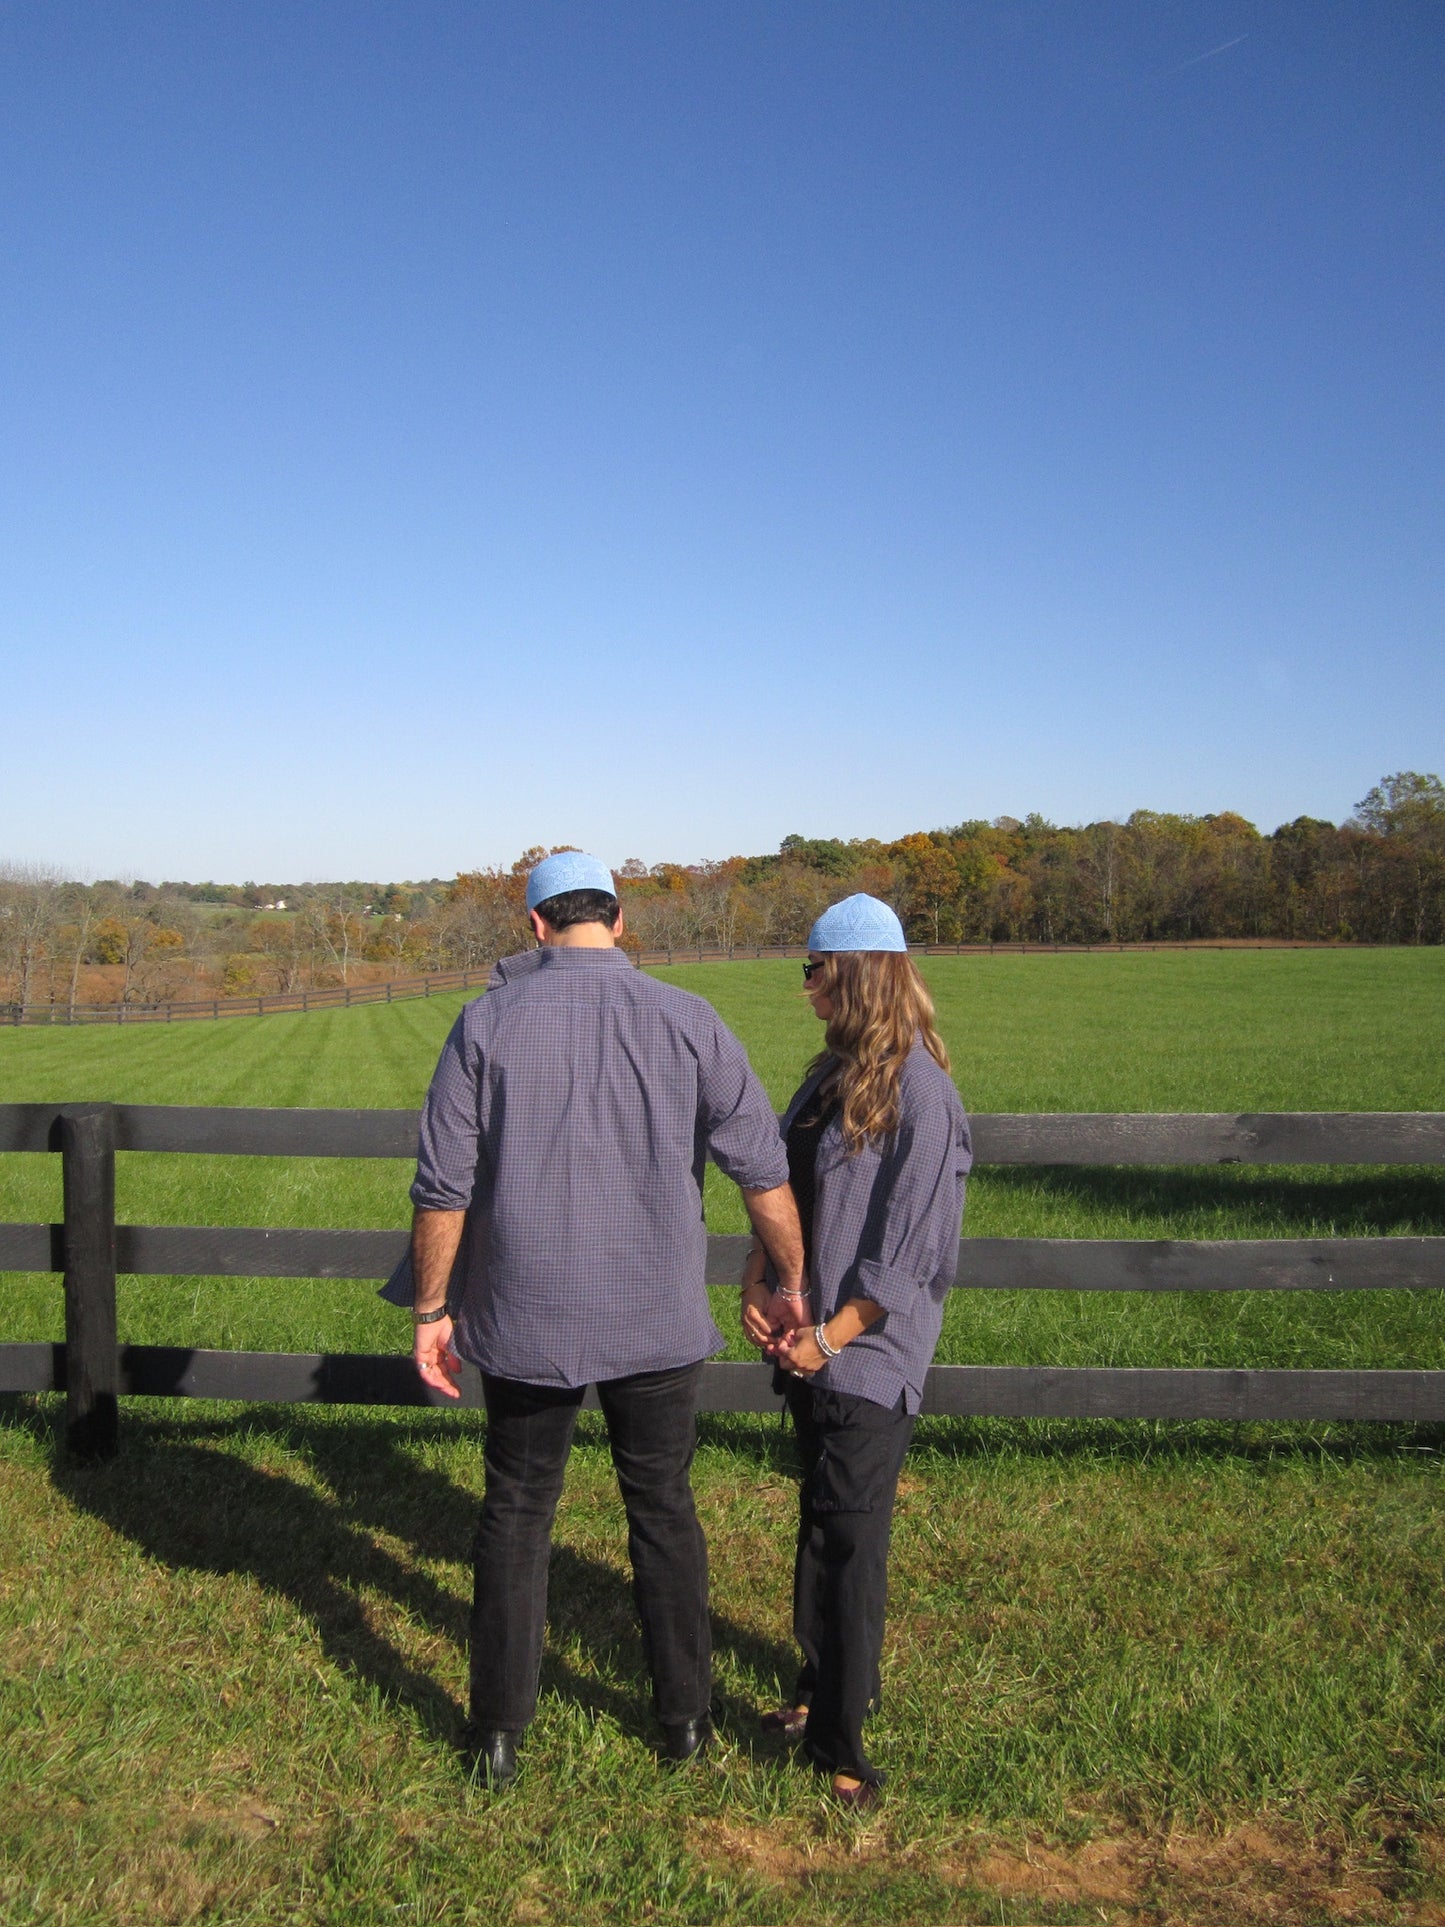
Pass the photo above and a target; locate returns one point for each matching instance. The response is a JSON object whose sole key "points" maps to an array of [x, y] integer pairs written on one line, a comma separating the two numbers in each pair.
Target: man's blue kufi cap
{"points": [[858, 923], [568, 870]]}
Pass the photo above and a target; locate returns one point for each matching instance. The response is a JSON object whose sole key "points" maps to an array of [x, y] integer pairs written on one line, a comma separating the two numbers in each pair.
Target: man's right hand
{"points": [[791, 1313], [768, 1316], [757, 1324], [437, 1364]]}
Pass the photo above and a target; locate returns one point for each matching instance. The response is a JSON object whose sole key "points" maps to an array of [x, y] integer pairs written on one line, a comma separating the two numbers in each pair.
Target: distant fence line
{"points": [[399, 990], [88, 1247]]}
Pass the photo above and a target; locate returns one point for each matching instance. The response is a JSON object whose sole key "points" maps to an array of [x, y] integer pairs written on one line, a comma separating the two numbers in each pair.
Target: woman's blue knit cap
{"points": [[568, 870], [857, 923]]}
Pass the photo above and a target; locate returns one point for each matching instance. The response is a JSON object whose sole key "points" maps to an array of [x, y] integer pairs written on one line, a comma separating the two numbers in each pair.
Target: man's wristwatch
{"points": [[429, 1317]]}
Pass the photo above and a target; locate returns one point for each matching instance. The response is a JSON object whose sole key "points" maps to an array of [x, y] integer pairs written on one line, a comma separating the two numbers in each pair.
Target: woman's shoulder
{"points": [[926, 1082]]}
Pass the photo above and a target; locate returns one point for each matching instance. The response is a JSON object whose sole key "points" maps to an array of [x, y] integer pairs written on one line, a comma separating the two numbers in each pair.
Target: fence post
{"points": [[92, 1357]]}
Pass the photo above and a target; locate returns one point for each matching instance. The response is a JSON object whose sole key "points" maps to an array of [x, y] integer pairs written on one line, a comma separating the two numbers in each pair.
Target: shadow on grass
{"points": [[179, 1494], [1345, 1203], [1165, 1443]]}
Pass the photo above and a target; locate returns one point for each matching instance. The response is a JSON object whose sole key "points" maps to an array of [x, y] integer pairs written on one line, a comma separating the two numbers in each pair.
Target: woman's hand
{"points": [[799, 1353]]}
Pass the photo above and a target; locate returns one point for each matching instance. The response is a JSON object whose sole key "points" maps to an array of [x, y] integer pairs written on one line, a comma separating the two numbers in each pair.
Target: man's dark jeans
{"points": [[652, 1430]]}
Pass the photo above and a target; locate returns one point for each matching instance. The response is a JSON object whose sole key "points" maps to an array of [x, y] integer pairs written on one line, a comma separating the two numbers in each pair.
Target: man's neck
{"points": [[581, 936]]}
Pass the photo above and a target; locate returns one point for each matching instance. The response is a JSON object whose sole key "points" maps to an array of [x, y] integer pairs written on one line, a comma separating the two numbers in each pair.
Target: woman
{"points": [[878, 1147]]}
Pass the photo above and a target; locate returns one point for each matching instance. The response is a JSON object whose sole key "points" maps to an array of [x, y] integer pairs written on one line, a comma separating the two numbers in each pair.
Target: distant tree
{"points": [[402, 935], [126, 936], [1098, 860], [1312, 879], [337, 924], [825, 854], [659, 913], [1405, 804], [719, 903], [29, 906], [482, 916], [288, 945], [788, 902], [933, 883], [1406, 812], [78, 908], [162, 967]]}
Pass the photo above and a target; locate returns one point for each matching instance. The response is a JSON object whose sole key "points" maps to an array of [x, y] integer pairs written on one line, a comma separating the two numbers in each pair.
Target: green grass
{"points": [[1124, 1654], [1346, 1030], [1144, 1673]]}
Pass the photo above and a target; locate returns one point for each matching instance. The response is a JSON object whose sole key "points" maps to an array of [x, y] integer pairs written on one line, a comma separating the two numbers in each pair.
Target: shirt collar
{"points": [[566, 957]]}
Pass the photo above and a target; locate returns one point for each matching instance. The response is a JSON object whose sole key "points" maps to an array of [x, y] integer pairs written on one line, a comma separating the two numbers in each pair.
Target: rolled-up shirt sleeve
{"points": [[446, 1158], [736, 1115], [920, 1184]]}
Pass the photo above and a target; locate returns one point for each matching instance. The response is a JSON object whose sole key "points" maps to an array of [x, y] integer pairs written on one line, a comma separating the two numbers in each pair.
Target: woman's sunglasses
{"points": [[808, 969]]}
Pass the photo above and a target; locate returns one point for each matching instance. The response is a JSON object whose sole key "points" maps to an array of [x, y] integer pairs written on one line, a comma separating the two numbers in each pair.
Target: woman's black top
{"points": [[802, 1148]]}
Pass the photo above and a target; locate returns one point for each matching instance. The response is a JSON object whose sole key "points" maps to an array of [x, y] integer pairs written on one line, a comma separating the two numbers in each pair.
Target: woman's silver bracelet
{"points": [[783, 1292], [820, 1338]]}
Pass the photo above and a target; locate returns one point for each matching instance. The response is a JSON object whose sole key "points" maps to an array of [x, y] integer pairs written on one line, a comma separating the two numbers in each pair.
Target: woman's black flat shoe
{"points": [[788, 1722], [858, 1799]]}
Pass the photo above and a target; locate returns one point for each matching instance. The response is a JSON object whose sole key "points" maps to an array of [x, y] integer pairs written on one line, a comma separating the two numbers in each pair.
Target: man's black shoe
{"points": [[490, 1755], [684, 1740]]}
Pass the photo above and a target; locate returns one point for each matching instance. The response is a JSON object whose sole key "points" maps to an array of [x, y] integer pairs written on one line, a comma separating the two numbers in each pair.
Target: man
{"points": [[570, 1118]]}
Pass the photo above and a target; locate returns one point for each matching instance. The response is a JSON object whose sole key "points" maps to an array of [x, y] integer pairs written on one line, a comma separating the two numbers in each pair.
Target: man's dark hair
{"points": [[579, 906]]}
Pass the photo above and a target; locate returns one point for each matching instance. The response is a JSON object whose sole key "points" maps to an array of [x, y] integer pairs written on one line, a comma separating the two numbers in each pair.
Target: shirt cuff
{"points": [[429, 1197], [896, 1291], [763, 1177]]}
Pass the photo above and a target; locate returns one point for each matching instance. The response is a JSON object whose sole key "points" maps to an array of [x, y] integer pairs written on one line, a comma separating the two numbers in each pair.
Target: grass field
{"points": [[1361, 1030], [1133, 1673]]}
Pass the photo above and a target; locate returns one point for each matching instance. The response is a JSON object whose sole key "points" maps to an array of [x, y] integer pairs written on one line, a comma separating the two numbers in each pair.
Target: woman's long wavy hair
{"points": [[880, 1005]]}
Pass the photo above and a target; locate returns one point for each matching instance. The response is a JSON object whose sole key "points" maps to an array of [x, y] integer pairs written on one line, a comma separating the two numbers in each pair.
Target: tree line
{"points": [[1379, 877]]}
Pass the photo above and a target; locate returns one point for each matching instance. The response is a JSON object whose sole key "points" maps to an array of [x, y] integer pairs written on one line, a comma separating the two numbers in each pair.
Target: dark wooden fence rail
{"points": [[89, 1248]]}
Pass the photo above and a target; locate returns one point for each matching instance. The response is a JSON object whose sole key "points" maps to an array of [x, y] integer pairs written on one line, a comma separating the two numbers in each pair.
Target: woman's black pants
{"points": [[852, 1452], [652, 1430]]}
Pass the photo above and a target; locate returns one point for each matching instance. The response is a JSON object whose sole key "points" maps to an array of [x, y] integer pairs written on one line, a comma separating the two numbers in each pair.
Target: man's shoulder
{"points": [[520, 980], [683, 1005]]}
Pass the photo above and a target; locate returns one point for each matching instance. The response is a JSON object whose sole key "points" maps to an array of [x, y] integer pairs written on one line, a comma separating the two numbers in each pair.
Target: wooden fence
{"points": [[436, 983], [89, 1248]]}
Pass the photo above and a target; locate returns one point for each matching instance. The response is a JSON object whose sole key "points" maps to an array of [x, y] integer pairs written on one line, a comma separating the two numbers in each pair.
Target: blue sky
{"points": [[432, 429]]}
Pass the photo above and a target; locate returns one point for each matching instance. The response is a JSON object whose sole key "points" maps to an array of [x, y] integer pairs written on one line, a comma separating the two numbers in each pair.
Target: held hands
{"points": [[437, 1364], [798, 1353], [769, 1318], [769, 1315]]}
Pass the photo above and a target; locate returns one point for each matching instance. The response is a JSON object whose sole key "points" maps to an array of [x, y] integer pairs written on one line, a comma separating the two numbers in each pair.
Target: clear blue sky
{"points": [[434, 428]]}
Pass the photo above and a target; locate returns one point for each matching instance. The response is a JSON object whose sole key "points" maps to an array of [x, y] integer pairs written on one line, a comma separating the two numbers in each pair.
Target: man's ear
{"points": [[541, 929], [618, 926]]}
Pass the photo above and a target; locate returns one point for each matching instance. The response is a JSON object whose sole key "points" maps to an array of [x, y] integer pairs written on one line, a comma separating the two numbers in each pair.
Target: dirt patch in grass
{"points": [[1269, 1875], [781, 1854]]}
